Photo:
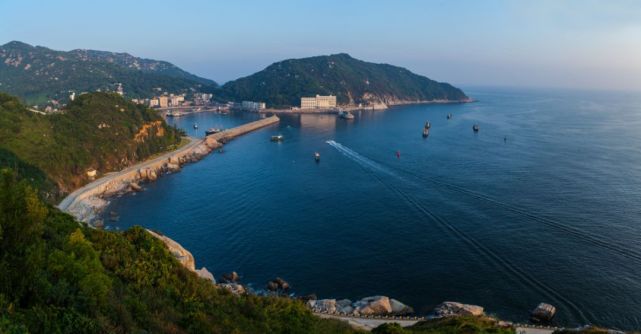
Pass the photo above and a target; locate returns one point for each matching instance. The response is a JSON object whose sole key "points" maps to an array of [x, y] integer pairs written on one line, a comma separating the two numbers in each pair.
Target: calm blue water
{"points": [[553, 214]]}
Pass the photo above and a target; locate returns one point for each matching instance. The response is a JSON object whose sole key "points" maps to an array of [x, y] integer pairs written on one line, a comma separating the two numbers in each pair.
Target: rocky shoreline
{"points": [[87, 202]]}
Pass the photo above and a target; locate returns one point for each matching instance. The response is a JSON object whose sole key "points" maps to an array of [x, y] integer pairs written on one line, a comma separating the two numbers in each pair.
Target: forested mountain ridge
{"points": [[38, 74], [353, 81]]}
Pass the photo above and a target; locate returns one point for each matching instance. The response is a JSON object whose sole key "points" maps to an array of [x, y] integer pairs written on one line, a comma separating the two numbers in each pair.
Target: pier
{"points": [[86, 202]]}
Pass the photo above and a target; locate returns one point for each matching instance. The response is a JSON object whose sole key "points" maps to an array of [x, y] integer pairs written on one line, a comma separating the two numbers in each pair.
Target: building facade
{"points": [[252, 106], [318, 102]]}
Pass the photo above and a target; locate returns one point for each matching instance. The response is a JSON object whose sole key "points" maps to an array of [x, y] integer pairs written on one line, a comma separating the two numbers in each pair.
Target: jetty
{"points": [[85, 203]]}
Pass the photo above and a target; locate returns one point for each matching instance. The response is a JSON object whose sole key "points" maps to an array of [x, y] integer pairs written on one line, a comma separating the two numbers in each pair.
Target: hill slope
{"points": [[353, 81], [98, 130], [36, 73]]}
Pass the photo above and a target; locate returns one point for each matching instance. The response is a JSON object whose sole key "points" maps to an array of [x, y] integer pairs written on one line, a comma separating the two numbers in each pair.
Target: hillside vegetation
{"points": [[353, 81], [37, 74], [61, 277], [97, 131]]}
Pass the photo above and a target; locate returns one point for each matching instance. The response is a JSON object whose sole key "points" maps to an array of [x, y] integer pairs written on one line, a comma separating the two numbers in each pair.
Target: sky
{"points": [[582, 44]]}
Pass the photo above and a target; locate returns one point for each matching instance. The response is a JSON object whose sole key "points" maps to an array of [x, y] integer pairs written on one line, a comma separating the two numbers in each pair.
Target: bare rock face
{"points": [[400, 308], [173, 167], [323, 305], [543, 313], [212, 143], [373, 305], [182, 255], [204, 273], [453, 309], [135, 186], [344, 306], [234, 288]]}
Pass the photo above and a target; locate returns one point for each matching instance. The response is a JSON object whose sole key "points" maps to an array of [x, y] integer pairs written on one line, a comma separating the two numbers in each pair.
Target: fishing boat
{"points": [[426, 129], [449, 116], [317, 156], [277, 138], [175, 114], [211, 131], [345, 114], [475, 127]]}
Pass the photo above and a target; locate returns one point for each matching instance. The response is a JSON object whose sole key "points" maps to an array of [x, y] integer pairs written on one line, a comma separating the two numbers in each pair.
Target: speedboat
{"points": [[475, 127], [317, 156], [449, 116], [277, 138]]}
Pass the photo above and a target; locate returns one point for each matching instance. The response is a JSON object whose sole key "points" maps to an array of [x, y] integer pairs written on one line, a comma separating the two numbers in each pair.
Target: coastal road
{"points": [[68, 201], [367, 323]]}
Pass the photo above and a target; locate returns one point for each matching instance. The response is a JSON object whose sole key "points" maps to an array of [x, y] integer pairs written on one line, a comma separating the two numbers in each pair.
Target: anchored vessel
{"points": [[475, 128], [277, 138], [345, 114], [449, 116], [317, 156], [426, 129]]}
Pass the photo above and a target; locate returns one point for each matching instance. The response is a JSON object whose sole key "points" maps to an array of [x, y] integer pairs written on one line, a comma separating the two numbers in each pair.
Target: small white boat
{"points": [[317, 156], [195, 126], [345, 115], [277, 138]]}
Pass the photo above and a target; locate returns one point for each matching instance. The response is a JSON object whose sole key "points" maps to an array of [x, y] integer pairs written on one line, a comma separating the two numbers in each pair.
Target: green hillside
{"points": [[97, 131], [61, 277], [353, 81], [37, 74]]}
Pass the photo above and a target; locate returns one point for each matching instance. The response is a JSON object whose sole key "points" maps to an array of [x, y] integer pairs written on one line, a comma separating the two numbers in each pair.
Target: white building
{"points": [[318, 102], [252, 106]]}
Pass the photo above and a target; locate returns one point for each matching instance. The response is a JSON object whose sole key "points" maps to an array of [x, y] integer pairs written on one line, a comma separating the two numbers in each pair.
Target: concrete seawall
{"points": [[86, 202]]}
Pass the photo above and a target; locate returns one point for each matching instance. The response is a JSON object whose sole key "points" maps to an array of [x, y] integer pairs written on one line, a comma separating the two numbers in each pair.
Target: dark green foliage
{"points": [[451, 325], [353, 81], [61, 277], [98, 131], [37, 74]]}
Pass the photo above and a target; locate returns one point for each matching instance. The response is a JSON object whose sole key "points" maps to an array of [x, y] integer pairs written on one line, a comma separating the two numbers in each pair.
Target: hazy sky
{"points": [[559, 43]]}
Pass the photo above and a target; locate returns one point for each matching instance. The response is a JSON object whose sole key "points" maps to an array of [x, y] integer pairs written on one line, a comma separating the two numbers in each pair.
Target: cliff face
{"points": [[353, 81]]}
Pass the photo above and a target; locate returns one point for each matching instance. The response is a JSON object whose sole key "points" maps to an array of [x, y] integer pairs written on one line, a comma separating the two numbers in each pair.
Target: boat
{"points": [[211, 131], [175, 114], [317, 156], [475, 127], [195, 126], [426, 129], [345, 115], [277, 138], [449, 116]]}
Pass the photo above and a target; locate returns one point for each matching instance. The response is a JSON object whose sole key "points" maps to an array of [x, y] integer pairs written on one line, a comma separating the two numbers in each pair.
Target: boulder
{"points": [[282, 284], [375, 305], [323, 305], [173, 167], [232, 277], [453, 309], [400, 308], [234, 288], [135, 186], [272, 286], [212, 143], [543, 313], [307, 298], [344, 306], [204, 273]]}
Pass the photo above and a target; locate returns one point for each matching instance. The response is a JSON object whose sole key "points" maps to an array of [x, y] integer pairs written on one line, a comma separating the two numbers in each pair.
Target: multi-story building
{"points": [[154, 102], [163, 101], [252, 106], [176, 100], [318, 102]]}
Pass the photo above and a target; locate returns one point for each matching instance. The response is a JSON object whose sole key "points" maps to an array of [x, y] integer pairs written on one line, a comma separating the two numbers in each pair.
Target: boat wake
{"points": [[375, 169]]}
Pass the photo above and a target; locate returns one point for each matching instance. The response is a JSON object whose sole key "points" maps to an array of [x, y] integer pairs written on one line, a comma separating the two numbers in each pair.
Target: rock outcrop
{"points": [[234, 288], [373, 305], [204, 273], [453, 309], [543, 313]]}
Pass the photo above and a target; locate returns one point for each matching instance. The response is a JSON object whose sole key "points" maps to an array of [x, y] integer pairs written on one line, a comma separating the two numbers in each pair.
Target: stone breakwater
{"points": [[87, 202]]}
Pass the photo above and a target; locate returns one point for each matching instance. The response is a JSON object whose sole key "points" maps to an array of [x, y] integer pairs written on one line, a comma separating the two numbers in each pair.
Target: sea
{"points": [[542, 204]]}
